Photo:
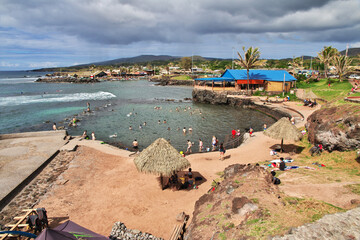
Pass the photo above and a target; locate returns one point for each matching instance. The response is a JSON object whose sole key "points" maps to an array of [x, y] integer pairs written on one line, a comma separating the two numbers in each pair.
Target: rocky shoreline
{"points": [[67, 80]]}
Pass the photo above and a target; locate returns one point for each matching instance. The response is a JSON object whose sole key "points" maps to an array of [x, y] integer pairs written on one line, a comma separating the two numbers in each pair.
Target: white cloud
{"points": [[7, 64], [43, 64]]}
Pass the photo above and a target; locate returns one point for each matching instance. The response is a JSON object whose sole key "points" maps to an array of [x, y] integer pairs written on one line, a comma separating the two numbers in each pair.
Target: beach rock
{"points": [[336, 128]]}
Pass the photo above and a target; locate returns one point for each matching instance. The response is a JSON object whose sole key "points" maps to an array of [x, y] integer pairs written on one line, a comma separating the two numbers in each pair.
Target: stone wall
{"points": [[120, 232], [215, 98]]}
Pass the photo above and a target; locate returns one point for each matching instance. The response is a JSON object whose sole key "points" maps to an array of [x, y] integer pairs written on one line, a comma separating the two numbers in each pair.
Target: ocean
{"points": [[115, 106]]}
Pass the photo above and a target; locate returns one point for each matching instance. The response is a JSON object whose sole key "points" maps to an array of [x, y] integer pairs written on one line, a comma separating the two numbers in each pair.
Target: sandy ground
{"points": [[109, 187], [104, 187]]}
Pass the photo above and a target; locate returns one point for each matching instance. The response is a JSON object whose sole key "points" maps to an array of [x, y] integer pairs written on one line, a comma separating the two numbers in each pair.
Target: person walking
{"points": [[189, 145], [54, 127], [222, 151], [201, 145]]}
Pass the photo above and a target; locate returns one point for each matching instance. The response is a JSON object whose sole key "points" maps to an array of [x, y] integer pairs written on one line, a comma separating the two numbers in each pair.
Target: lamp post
{"points": [[232, 62]]}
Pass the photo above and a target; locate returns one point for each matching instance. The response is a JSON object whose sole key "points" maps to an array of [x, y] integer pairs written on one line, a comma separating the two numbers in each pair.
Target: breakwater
{"points": [[222, 98]]}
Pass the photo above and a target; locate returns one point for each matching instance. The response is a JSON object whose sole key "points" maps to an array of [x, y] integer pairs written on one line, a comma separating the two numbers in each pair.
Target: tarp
{"points": [[69, 230]]}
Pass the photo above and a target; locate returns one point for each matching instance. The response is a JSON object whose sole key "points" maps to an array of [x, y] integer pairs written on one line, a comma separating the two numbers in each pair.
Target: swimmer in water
{"points": [[168, 128], [130, 128], [190, 129], [164, 121], [159, 122], [144, 123], [140, 127], [184, 130]]}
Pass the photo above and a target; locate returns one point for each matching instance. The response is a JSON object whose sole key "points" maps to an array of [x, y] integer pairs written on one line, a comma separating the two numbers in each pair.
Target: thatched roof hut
{"points": [[160, 158], [283, 129], [309, 94]]}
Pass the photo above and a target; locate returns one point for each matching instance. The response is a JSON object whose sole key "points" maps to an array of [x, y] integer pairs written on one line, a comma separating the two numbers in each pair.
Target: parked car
{"points": [[334, 76], [354, 76]]}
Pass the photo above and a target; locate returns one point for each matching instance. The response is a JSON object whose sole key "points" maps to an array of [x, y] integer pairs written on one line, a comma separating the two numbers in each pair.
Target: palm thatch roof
{"points": [[160, 158], [309, 94], [283, 129]]}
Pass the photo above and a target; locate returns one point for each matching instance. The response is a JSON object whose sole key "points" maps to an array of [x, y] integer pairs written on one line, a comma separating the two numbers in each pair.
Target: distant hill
{"points": [[132, 60], [352, 52], [143, 59]]}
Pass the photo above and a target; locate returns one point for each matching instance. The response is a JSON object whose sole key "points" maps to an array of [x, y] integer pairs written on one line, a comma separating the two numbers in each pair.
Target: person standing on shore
{"points": [[265, 127], [189, 147], [222, 151], [213, 142], [251, 131], [201, 145], [93, 136], [54, 127]]}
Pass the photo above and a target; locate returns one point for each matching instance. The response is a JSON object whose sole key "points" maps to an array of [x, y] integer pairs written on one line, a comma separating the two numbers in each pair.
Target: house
{"points": [[268, 80]]}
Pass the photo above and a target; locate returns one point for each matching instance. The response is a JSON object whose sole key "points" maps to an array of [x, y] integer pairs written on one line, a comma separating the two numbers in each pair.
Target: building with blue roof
{"points": [[269, 80]]}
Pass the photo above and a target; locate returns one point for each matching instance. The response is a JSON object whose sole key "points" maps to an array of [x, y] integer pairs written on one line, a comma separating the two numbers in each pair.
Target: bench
{"points": [[179, 229]]}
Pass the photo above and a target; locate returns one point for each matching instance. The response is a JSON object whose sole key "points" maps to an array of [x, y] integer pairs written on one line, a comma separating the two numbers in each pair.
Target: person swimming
{"points": [[184, 130]]}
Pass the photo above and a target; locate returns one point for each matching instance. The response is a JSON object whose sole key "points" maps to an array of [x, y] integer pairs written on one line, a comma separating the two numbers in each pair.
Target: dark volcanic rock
{"points": [[336, 128]]}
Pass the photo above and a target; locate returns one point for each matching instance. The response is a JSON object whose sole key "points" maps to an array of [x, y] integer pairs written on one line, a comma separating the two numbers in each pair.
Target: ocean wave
{"points": [[49, 98]]}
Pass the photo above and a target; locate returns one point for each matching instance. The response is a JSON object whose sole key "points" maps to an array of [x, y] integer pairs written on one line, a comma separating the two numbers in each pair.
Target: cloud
{"points": [[126, 22], [43, 64], [70, 31], [7, 64]]}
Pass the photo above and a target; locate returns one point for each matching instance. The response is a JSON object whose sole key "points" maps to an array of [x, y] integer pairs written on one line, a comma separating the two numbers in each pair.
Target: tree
{"points": [[185, 63], [341, 64], [250, 60], [326, 55]]}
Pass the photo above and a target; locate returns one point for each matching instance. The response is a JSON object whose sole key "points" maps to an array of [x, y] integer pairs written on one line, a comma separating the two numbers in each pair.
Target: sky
{"points": [[58, 33]]}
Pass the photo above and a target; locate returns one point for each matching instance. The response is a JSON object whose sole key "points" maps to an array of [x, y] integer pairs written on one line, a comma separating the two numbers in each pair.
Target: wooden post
{"points": [[161, 181], [282, 144]]}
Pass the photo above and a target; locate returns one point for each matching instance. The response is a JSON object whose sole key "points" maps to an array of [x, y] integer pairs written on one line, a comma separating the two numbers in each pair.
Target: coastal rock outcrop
{"points": [[66, 80], [336, 128], [168, 81], [231, 204]]}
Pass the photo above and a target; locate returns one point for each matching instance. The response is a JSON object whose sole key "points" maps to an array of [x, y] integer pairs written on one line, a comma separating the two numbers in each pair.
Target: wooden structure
{"points": [[179, 230], [20, 225]]}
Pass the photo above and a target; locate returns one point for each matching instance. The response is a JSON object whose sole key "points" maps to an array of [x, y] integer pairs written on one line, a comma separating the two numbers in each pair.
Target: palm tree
{"points": [[250, 60], [341, 64], [326, 55]]}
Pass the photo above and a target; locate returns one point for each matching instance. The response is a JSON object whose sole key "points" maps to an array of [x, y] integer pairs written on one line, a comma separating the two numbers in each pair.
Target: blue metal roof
{"points": [[267, 75], [216, 79]]}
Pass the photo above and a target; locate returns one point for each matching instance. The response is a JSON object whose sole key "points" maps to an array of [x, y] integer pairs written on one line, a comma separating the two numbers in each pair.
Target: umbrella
{"points": [[69, 230], [309, 94], [283, 129], [160, 158]]}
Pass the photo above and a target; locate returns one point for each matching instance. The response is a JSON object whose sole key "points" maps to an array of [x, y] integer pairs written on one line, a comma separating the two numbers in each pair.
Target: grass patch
{"points": [[182, 77], [355, 188]]}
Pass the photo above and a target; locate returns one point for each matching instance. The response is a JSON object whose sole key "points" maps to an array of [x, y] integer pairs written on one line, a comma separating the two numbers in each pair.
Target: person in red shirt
{"points": [[233, 133]]}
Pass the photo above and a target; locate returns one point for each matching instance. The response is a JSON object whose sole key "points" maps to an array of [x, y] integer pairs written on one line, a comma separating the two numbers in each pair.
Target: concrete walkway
{"points": [[22, 154]]}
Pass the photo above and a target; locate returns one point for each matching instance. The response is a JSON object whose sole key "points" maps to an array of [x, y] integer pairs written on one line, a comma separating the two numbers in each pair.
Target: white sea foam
{"points": [[48, 98]]}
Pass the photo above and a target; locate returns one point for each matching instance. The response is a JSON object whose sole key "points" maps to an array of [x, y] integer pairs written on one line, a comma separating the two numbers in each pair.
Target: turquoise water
{"points": [[29, 106]]}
